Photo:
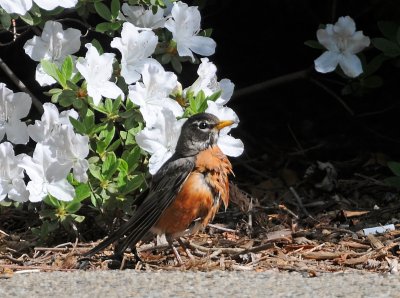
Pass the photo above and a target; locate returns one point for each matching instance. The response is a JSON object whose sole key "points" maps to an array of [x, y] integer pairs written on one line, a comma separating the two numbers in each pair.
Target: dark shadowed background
{"points": [[261, 41]]}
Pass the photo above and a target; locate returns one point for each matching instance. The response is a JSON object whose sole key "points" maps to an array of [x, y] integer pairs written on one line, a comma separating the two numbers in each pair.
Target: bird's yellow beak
{"points": [[224, 123]]}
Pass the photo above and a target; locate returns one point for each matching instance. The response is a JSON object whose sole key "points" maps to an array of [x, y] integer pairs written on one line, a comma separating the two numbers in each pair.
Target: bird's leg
{"points": [[186, 248], [174, 250]]}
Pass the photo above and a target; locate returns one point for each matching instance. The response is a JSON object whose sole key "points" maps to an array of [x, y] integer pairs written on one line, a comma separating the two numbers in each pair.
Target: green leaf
{"points": [[132, 158], [78, 126], [115, 8], [78, 103], [314, 44], [393, 181], [389, 48], [95, 171], [176, 64], [82, 191], [72, 85], [73, 206], [207, 32], [372, 82], [93, 200], [88, 121], [388, 29], [123, 167], [114, 146], [5, 20], [27, 18], [110, 165], [50, 68], [166, 58], [103, 11], [67, 67], [78, 218], [106, 137], [214, 96], [98, 46], [116, 104], [104, 27], [66, 98], [132, 184], [394, 167], [115, 26], [374, 64], [108, 105], [99, 127], [52, 201]]}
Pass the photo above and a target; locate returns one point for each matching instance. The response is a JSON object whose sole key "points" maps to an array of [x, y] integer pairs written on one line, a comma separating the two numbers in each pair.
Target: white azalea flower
{"points": [[228, 144], [74, 150], [153, 94], [11, 176], [48, 127], [160, 140], [48, 176], [13, 107], [16, 6], [54, 45], [135, 47], [208, 82], [51, 4], [67, 147], [342, 43], [184, 26], [144, 18], [97, 70]]}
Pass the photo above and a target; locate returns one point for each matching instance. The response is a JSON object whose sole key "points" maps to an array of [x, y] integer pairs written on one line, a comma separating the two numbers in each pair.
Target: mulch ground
{"points": [[309, 221]]}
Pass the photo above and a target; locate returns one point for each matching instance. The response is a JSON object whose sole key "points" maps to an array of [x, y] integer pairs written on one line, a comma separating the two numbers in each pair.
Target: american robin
{"points": [[190, 186]]}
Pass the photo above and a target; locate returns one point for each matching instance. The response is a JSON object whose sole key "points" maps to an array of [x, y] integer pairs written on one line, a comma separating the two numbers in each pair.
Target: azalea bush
{"points": [[110, 119], [114, 104]]}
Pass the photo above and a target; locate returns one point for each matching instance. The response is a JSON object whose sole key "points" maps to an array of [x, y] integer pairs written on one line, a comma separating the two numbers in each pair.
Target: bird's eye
{"points": [[203, 125]]}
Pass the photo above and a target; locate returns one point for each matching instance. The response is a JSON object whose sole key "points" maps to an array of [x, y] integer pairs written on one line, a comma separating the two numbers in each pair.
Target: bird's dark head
{"points": [[199, 132]]}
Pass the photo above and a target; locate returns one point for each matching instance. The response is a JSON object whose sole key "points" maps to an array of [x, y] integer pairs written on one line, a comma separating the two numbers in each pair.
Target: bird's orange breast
{"points": [[200, 195]]}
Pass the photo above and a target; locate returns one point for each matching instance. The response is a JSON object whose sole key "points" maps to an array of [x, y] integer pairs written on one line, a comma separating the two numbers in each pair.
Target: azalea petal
{"points": [[230, 146], [2, 132], [80, 170], [36, 191], [327, 38], [17, 132], [16, 6], [56, 171], [184, 51], [42, 77], [148, 140], [345, 26], [358, 42], [71, 42], [227, 88], [327, 62], [61, 190], [202, 45], [33, 170], [110, 90], [51, 4], [351, 65], [22, 104], [18, 192], [158, 159]]}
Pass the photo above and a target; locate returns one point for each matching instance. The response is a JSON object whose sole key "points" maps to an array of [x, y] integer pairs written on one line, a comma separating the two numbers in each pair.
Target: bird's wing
{"points": [[165, 185]]}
